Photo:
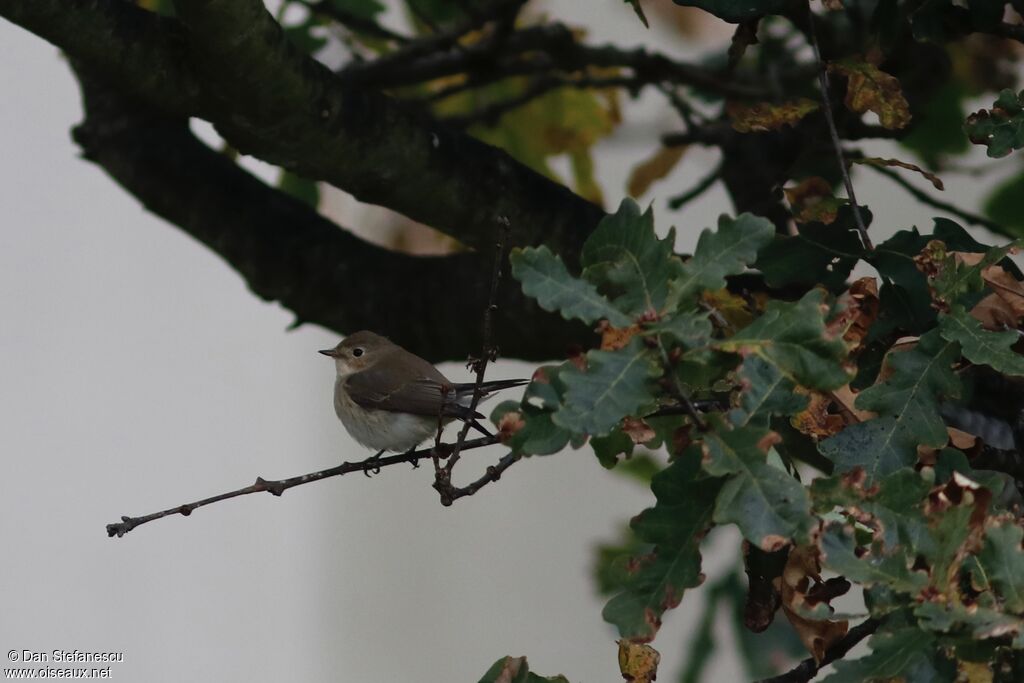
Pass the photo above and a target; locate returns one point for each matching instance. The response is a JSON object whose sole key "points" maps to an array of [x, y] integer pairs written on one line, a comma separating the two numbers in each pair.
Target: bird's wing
{"points": [[429, 395]]}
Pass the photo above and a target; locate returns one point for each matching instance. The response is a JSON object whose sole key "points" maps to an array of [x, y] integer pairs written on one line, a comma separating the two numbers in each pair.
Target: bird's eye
{"points": [[357, 352]]}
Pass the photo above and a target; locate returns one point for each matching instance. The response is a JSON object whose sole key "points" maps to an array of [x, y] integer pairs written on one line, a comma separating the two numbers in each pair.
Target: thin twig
{"points": [[925, 198], [493, 112], [833, 132], [443, 475], [809, 668], [438, 48], [278, 486], [697, 190], [676, 389], [353, 21]]}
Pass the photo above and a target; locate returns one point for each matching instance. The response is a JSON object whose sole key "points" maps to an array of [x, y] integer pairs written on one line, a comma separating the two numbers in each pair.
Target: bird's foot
{"points": [[372, 459]]}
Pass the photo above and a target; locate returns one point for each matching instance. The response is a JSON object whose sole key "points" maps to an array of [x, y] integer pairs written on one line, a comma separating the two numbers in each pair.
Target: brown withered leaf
{"points": [[975, 672], [803, 591], [638, 662], [510, 423], [637, 430], [994, 313], [615, 338], [815, 420], [965, 441], [871, 89], [1005, 306], [656, 167], [812, 200], [970, 444], [845, 398], [932, 257], [858, 308], [878, 161], [765, 116]]}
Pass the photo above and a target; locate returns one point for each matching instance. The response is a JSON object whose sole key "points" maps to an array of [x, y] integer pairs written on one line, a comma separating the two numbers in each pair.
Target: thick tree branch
{"points": [[143, 52], [309, 121], [560, 51], [312, 123], [287, 252]]}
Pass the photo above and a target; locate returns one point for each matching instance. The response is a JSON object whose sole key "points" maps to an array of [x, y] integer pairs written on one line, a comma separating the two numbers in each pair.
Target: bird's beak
{"points": [[329, 352]]}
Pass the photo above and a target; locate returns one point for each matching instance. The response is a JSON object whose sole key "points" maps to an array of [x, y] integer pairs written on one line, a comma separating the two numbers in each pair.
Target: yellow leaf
{"points": [[763, 116], [638, 662], [565, 121], [871, 89], [653, 168]]}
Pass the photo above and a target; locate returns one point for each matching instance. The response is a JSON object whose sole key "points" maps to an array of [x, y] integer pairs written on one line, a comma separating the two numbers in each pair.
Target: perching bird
{"points": [[391, 400]]}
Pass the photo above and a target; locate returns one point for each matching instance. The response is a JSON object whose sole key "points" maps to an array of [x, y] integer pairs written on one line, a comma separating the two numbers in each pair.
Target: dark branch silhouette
{"points": [[809, 668], [279, 486]]}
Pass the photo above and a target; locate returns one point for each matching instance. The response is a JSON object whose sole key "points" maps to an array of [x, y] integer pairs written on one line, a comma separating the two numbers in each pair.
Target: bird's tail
{"points": [[489, 387]]}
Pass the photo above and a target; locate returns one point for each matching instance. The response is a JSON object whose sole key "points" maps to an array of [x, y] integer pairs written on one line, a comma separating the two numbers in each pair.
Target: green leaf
{"points": [[545, 278], [764, 392], [938, 129], [614, 385], [907, 404], [890, 507], [954, 281], [1000, 129], [979, 622], [727, 251], [540, 436], [675, 525], [627, 261], [516, 670], [1005, 206], [768, 505], [791, 337], [736, 11], [818, 253], [893, 655], [1003, 561], [875, 567], [692, 329], [609, 447], [981, 346]]}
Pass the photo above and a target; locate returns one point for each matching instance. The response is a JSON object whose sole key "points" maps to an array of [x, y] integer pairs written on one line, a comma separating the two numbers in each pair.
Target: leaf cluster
{"points": [[853, 381]]}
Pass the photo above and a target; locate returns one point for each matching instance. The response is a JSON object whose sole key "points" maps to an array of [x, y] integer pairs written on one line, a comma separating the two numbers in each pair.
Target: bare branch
{"points": [[830, 119], [352, 21], [926, 198], [809, 668], [702, 186], [277, 487], [488, 352]]}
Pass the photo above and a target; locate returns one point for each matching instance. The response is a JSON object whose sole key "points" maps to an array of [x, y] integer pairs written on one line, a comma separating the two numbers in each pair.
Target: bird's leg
{"points": [[372, 458]]}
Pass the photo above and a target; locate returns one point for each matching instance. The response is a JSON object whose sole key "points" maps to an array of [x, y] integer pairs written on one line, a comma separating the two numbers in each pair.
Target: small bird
{"points": [[391, 400]]}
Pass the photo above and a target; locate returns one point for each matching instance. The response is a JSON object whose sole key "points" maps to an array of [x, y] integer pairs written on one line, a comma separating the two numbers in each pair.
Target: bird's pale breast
{"points": [[381, 429]]}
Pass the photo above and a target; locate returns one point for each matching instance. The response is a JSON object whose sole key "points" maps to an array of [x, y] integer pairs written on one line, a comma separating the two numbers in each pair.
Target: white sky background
{"points": [[137, 373]]}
